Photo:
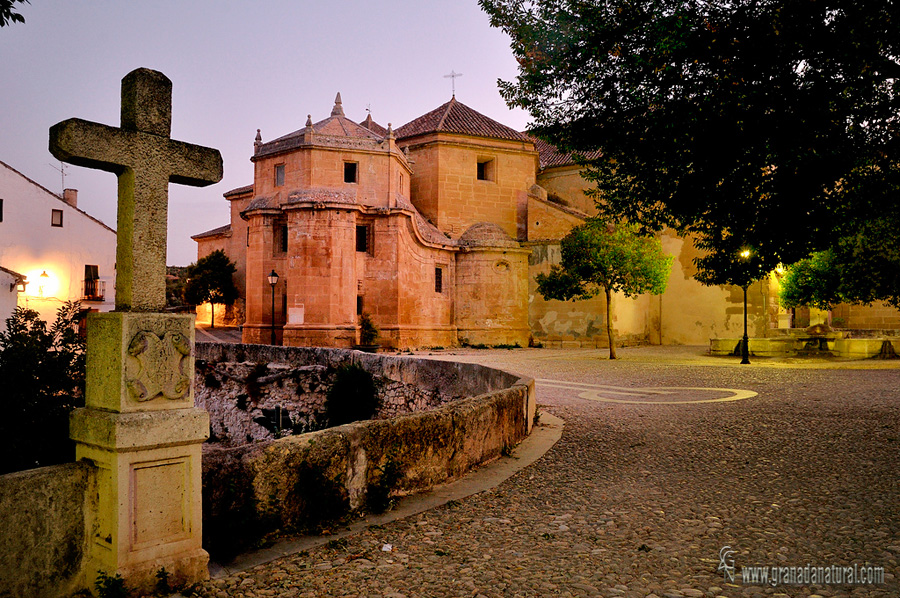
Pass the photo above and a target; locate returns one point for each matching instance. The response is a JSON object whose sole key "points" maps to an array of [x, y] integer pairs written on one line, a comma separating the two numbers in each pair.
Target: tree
{"points": [[596, 256], [814, 281], [42, 376], [209, 280], [745, 123], [8, 14]]}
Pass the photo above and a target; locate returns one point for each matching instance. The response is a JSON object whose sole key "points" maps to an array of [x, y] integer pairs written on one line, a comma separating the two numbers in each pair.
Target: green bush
{"points": [[42, 381], [352, 397]]}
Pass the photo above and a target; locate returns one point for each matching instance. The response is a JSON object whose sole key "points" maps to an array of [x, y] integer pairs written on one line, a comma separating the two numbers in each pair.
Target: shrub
{"points": [[42, 379], [352, 397], [368, 331]]}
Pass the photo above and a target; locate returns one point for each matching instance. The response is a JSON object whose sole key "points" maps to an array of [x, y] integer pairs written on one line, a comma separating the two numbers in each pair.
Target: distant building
{"points": [[59, 252]]}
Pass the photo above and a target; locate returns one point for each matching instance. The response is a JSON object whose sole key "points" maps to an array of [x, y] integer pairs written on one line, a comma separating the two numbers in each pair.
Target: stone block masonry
{"points": [[303, 481], [139, 427]]}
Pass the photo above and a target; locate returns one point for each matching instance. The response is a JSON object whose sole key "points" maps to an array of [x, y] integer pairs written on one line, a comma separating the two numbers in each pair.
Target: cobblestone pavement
{"points": [[637, 499]]}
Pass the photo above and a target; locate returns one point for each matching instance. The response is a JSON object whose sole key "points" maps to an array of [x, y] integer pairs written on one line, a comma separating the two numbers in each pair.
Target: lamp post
{"points": [[273, 280], [745, 342]]}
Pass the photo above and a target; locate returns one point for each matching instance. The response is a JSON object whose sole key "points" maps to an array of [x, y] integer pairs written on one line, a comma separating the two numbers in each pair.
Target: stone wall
{"points": [[259, 398], [45, 530], [303, 481]]}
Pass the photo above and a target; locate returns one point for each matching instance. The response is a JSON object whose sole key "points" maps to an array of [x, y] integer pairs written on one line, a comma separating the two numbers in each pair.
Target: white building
{"points": [[63, 253]]}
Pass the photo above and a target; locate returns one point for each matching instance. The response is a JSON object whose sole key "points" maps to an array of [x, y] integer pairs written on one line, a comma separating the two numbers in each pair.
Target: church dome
{"points": [[486, 234]]}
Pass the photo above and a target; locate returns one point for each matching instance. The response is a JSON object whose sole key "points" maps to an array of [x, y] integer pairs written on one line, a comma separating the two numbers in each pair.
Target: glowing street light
{"points": [[273, 280], [745, 342]]}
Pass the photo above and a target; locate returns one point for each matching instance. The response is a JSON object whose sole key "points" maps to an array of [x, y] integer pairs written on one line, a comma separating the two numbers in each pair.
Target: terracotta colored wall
{"points": [[879, 316], [689, 313], [425, 317], [572, 324], [378, 173], [261, 260], [566, 182], [446, 188], [321, 278], [548, 222], [491, 296]]}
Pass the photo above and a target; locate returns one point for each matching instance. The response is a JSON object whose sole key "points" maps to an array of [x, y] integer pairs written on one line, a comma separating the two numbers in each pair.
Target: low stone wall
{"points": [[252, 394], [302, 481], [45, 529], [786, 346]]}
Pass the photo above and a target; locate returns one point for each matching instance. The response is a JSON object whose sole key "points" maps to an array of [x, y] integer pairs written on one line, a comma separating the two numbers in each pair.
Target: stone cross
{"points": [[146, 160]]}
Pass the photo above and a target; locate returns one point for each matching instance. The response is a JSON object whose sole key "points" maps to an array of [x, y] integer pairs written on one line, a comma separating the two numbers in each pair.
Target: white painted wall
{"points": [[30, 245], [7, 297]]}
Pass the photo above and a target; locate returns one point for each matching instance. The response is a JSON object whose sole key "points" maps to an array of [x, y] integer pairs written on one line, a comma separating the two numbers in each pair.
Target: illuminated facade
{"points": [[63, 253]]}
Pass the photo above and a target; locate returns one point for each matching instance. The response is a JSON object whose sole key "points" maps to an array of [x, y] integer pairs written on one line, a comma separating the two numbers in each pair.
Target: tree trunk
{"points": [[212, 314], [609, 326]]}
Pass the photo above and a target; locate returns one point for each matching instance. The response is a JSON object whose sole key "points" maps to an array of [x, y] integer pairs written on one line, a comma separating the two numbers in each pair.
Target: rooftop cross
{"points": [[146, 160], [452, 76]]}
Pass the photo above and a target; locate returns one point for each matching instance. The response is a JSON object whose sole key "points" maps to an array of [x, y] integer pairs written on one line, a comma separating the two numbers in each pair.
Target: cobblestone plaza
{"points": [[666, 457]]}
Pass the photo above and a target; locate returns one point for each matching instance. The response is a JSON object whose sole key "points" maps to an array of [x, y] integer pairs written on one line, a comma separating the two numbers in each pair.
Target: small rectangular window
{"points": [[438, 279], [279, 175], [485, 169], [279, 237], [350, 172], [359, 305], [1, 210], [364, 238], [56, 218]]}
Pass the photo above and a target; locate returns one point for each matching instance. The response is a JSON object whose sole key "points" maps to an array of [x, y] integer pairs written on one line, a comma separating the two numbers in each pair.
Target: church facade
{"points": [[436, 230]]}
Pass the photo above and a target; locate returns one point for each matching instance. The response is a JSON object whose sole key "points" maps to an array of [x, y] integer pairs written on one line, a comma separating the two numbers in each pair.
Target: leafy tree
{"points": [[748, 123], [42, 376], [596, 256], [175, 278], [209, 280], [8, 12], [814, 281]]}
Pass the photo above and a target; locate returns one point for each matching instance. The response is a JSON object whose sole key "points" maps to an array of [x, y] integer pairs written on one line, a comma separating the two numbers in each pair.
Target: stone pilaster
{"points": [[141, 430]]}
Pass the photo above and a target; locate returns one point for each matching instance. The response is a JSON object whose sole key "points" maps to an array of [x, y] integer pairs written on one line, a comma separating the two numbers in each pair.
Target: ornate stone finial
{"points": [[309, 120], [257, 142], [338, 110], [390, 131], [258, 136]]}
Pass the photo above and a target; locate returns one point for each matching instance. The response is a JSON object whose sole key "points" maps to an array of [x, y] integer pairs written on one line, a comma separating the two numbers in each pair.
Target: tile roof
{"points": [[213, 233], [239, 191], [550, 156], [336, 125], [456, 117], [374, 126], [14, 274]]}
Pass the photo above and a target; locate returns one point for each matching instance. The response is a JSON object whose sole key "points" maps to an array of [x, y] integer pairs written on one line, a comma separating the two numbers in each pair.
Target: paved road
{"points": [[647, 485]]}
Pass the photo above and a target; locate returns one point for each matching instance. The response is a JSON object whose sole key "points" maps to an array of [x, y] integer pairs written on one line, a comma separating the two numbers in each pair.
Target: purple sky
{"points": [[236, 67]]}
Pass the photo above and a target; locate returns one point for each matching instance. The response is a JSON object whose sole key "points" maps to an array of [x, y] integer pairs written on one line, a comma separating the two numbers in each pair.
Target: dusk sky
{"points": [[236, 67]]}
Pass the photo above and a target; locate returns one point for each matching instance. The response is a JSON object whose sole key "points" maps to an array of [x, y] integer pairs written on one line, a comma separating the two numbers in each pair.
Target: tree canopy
{"points": [[8, 12], [42, 376], [210, 280], [763, 124], [599, 257]]}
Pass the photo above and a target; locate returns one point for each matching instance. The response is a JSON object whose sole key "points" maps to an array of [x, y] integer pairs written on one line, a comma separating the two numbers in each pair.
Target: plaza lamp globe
{"points": [[273, 280]]}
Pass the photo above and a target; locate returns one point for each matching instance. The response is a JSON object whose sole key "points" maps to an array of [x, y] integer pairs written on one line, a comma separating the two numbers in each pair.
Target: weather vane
{"points": [[452, 76]]}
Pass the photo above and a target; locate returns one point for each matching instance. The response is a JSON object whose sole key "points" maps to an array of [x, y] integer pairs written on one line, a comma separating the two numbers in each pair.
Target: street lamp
{"points": [[745, 342], [273, 280]]}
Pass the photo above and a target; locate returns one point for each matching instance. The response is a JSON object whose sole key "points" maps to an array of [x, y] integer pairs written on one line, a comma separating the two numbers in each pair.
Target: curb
{"points": [[543, 436]]}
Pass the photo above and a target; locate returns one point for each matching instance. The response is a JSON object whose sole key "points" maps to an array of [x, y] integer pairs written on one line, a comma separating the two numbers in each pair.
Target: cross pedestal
{"points": [[139, 426]]}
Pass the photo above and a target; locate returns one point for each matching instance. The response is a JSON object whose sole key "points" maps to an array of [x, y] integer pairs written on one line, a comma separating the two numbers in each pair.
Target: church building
{"points": [[436, 229]]}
